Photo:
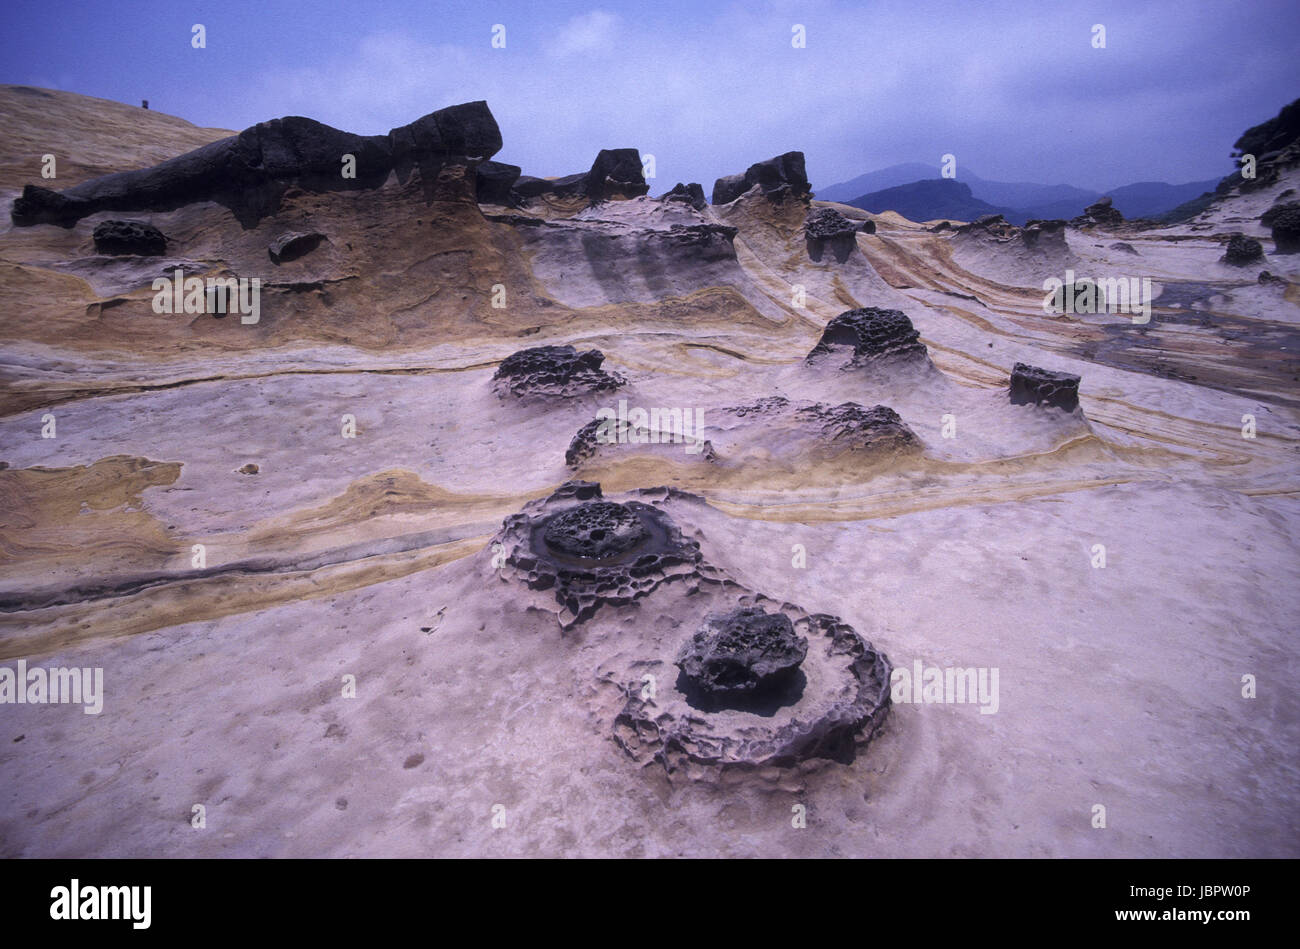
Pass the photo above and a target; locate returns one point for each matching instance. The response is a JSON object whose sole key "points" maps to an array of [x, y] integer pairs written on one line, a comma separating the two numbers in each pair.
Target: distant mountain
{"points": [[927, 200], [890, 177], [1018, 201], [1154, 198]]}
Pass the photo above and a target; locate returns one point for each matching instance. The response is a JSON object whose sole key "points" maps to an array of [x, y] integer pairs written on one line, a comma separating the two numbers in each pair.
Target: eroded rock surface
{"points": [[554, 371], [1243, 250]]}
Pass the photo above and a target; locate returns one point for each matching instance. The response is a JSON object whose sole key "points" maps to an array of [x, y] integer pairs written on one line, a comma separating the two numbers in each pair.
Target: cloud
{"points": [[594, 32]]}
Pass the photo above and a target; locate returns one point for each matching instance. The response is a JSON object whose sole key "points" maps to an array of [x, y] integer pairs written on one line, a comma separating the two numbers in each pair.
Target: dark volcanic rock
{"points": [[129, 237], [596, 530], [494, 182], [616, 173], [250, 172], [1099, 213], [871, 332], [1286, 227], [554, 371], [296, 244], [1267, 278], [826, 224], [778, 177], [634, 558], [692, 194], [1125, 247], [741, 653], [526, 186], [1243, 250], [941, 226], [1269, 217], [1044, 235], [1033, 386], [859, 427]]}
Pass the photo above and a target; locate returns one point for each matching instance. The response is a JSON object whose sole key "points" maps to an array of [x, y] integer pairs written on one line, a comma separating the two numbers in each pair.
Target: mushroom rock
{"points": [[554, 371], [740, 655], [1242, 251], [1031, 385], [129, 237], [870, 333], [1099, 213]]}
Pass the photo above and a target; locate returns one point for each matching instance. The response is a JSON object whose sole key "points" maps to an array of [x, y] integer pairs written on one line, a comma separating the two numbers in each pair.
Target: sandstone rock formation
{"points": [[294, 244], [1099, 214]]}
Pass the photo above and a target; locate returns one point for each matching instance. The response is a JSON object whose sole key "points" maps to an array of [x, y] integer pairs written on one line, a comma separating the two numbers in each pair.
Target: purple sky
{"points": [[1015, 90]]}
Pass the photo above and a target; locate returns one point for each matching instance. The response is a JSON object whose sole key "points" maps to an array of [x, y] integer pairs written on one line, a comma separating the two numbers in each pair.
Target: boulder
{"points": [[129, 237], [616, 173], [1286, 228], [596, 530], [1031, 385]]}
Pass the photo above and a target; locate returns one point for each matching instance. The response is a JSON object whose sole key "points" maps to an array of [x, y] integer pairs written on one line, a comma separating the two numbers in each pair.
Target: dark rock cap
{"points": [[1031, 385], [692, 194], [554, 371], [871, 332], [740, 653], [494, 183], [129, 237], [777, 176], [596, 530], [249, 172], [1243, 250]]}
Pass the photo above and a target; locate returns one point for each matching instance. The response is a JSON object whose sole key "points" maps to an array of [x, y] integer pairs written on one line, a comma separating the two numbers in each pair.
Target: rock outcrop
{"points": [[868, 334], [250, 172], [826, 226], [554, 372], [1031, 385], [494, 183], [129, 237], [776, 177], [1099, 214], [739, 656], [1284, 222], [692, 194], [293, 245], [857, 428], [1242, 251]]}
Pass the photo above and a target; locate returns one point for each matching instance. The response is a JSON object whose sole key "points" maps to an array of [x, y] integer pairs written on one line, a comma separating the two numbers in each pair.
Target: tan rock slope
{"points": [[359, 585]]}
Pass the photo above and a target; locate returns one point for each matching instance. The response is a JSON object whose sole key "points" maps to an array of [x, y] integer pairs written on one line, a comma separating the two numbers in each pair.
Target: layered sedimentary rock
{"points": [[554, 372], [1031, 385], [293, 245], [249, 173], [776, 177]]}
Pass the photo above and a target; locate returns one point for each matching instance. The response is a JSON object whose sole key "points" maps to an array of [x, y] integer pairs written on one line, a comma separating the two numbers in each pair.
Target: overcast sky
{"points": [[1015, 90]]}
